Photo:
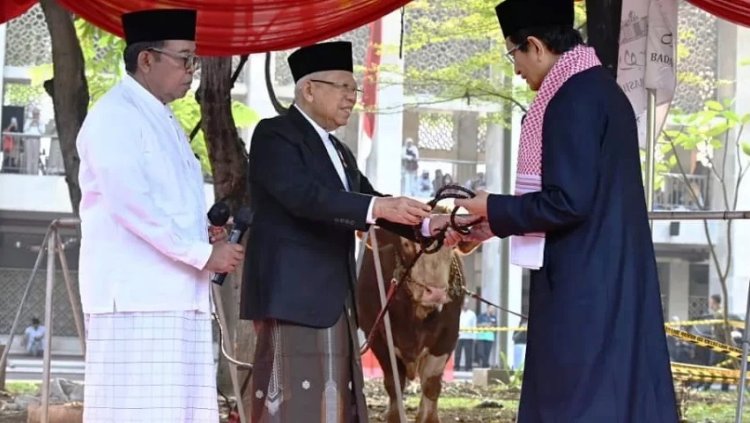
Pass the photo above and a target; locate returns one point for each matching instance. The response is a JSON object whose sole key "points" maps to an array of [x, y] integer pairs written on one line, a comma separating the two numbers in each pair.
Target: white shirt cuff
{"points": [[426, 227], [370, 220], [198, 255]]}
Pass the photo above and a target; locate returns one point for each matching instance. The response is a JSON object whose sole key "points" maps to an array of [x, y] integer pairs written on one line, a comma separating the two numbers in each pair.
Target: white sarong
{"points": [[149, 367]]}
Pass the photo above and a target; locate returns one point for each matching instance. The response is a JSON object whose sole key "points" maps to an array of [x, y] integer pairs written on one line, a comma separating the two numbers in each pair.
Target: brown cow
{"points": [[424, 321]]}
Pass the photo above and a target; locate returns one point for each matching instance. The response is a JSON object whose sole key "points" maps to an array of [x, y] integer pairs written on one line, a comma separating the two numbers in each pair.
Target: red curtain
{"points": [[9, 9], [735, 11], [227, 27]]}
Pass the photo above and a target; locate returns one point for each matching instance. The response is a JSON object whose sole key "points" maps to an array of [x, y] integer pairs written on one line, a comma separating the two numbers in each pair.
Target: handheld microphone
{"points": [[219, 213], [242, 220]]}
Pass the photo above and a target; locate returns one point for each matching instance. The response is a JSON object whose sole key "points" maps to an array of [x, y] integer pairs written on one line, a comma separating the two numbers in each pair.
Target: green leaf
{"points": [[746, 148], [243, 115], [731, 116], [717, 130], [714, 105]]}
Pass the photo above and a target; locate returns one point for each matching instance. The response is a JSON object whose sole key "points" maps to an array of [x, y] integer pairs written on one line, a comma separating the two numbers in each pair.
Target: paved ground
{"points": [[21, 367]]}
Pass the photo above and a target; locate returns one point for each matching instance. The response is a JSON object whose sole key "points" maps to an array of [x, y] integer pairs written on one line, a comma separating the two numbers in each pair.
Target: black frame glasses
{"points": [[343, 87], [190, 61]]}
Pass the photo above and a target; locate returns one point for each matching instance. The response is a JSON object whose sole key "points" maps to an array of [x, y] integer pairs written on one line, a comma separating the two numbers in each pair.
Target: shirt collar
{"points": [[143, 94], [319, 129]]}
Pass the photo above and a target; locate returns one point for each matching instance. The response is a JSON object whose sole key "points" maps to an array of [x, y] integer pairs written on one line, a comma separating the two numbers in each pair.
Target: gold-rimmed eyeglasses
{"points": [[190, 61], [343, 87]]}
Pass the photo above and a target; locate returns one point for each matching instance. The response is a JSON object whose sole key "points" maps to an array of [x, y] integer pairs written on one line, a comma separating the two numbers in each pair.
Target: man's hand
{"points": [[224, 257], [478, 233], [440, 221], [402, 210], [217, 234], [477, 205]]}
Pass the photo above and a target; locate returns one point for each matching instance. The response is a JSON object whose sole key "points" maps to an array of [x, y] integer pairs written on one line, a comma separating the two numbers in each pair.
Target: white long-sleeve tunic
{"points": [[143, 211]]}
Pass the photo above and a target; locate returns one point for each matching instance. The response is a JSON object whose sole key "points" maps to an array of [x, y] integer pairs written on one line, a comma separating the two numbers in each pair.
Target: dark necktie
{"points": [[340, 151]]}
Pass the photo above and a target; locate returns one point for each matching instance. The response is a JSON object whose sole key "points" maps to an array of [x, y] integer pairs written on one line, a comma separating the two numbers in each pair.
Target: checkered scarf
{"points": [[528, 250]]}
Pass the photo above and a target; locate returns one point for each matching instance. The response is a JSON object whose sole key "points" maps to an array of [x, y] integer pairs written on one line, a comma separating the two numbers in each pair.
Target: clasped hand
{"points": [[408, 211]]}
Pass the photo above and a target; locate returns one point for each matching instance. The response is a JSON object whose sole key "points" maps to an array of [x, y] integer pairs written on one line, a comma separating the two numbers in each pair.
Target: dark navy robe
{"points": [[597, 350]]}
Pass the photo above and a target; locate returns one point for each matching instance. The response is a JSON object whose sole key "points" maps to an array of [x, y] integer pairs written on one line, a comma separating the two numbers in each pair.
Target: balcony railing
{"points": [[30, 154], [683, 192]]}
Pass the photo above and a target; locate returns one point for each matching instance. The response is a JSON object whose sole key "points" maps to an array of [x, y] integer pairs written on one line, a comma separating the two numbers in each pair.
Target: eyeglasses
{"points": [[343, 87], [190, 61], [509, 55]]}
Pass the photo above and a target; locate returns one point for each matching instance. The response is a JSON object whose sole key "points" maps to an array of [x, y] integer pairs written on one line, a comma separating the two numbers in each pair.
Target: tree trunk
{"points": [[228, 157], [603, 28], [68, 89]]}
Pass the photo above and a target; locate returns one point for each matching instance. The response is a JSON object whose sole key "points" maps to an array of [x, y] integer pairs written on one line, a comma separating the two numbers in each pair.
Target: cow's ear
{"points": [[466, 247]]}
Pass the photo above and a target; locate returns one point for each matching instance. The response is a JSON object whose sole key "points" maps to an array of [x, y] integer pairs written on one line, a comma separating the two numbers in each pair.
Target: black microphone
{"points": [[219, 213], [242, 220]]}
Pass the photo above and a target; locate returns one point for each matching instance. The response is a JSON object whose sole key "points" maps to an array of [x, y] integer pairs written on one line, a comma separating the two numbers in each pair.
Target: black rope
{"points": [[434, 242]]}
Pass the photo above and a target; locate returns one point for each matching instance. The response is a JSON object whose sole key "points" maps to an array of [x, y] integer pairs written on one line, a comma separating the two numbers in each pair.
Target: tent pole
{"points": [[650, 147], [743, 369]]}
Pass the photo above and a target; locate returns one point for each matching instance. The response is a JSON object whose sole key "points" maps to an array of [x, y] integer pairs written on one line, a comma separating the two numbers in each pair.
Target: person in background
{"points": [[519, 345], [10, 147], [486, 339], [409, 167], [466, 337], [33, 129], [33, 338]]}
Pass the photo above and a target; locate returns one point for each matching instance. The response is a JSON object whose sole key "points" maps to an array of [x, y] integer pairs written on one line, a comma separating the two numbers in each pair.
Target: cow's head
{"points": [[431, 275]]}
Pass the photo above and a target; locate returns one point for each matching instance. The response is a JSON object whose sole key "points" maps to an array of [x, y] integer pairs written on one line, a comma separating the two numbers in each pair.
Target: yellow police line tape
{"points": [[733, 323], [702, 341], [692, 372], [681, 371]]}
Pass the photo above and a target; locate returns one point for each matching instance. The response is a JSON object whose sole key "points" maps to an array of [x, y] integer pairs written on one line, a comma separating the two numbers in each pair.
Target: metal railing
{"points": [[31, 154], [686, 192]]}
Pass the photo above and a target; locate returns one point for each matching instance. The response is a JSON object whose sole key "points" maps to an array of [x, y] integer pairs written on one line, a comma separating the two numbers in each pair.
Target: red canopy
{"points": [[735, 11], [228, 27]]}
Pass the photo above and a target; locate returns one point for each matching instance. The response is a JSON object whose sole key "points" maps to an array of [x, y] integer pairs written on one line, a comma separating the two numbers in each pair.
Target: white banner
{"points": [[648, 40]]}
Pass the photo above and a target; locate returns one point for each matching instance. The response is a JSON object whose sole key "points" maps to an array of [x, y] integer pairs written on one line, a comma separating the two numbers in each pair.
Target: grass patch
{"points": [[22, 388], [714, 407]]}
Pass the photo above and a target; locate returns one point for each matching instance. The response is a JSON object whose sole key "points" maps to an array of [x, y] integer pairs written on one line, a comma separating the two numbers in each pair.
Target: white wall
{"points": [[740, 275], [384, 164], [45, 193], [679, 289], [691, 232]]}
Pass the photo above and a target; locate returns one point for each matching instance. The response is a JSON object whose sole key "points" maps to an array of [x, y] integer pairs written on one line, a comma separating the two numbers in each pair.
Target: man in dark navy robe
{"points": [[596, 349]]}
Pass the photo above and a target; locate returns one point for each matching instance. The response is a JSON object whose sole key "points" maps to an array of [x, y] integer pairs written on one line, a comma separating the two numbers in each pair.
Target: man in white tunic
{"points": [[145, 250]]}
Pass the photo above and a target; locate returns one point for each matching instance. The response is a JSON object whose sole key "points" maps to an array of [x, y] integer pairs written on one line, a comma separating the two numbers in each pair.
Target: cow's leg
{"points": [[381, 353], [392, 416], [431, 377]]}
